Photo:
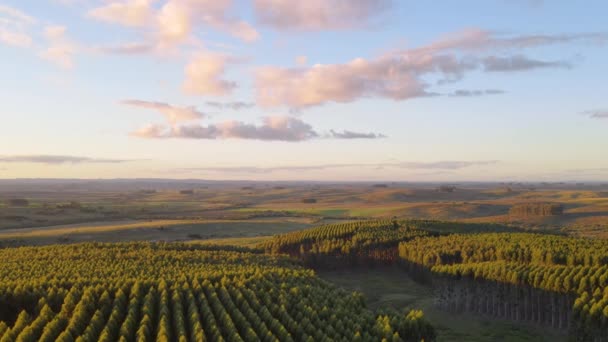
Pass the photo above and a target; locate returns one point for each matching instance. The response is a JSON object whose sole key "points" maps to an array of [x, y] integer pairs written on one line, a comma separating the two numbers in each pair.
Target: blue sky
{"points": [[320, 90]]}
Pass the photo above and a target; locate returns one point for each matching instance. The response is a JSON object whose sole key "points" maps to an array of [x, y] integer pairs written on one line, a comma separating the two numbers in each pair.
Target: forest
{"points": [[555, 281], [180, 292], [271, 290]]}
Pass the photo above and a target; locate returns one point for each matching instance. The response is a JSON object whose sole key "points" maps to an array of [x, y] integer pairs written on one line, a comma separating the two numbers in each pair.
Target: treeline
{"points": [[353, 243], [552, 280], [514, 247], [363, 242], [179, 292]]}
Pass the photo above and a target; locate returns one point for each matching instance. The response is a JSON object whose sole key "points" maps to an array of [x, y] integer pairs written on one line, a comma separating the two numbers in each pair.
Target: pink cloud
{"points": [[60, 49], [175, 21], [272, 128], [14, 25], [203, 75], [134, 13], [406, 74], [319, 14], [172, 114], [301, 60], [304, 87]]}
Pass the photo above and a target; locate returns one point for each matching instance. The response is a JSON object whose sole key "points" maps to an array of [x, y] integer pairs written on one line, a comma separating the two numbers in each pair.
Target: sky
{"points": [[350, 90]]}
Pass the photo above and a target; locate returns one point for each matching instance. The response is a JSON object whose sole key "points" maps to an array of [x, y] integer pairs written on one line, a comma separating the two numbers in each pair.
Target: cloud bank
{"points": [[406, 74], [437, 166], [272, 128], [59, 159], [276, 128]]}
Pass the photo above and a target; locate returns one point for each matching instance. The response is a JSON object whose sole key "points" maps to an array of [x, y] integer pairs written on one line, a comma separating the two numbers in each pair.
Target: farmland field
{"points": [[173, 266]]}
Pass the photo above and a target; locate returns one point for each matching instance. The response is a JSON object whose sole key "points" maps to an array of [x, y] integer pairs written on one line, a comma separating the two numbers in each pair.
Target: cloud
{"points": [[471, 93], [440, 165], [405, 74], [15, 30], [172, 114], [519, 63], [235, 105], [313, 15], [273, 128], [596, 169], [58, 159], [319, 84], [175, 21], [301, 60], [60, 49], [345, 134], [444, 165], [133, 48], [237, 28], [597, 113], [482, 40], [14, 27], [135, 13], [203, 75]]}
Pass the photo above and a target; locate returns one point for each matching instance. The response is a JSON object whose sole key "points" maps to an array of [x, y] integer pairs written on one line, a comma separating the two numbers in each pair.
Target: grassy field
{"points": [[216, 231], [586, 206], [394, 288]]}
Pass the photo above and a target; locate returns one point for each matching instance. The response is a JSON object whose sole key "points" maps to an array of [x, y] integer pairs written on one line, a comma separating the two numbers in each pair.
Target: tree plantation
{"points": [[555, 281], [193, 292], [178, 292]]}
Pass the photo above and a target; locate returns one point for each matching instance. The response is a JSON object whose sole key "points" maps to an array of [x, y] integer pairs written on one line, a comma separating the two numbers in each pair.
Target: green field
{"points": [[392, 287]]}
